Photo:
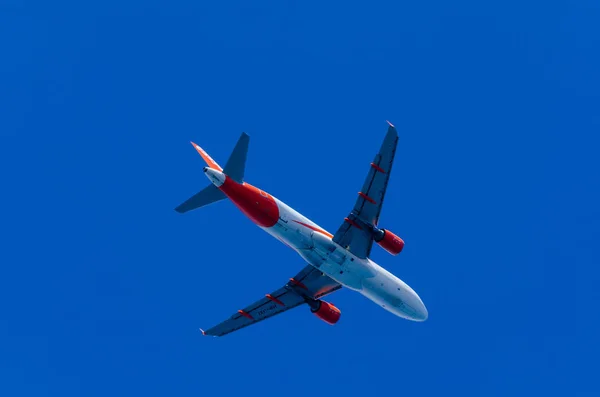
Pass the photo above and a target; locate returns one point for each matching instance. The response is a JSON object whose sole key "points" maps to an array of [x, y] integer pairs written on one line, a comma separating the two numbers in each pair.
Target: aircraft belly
{"points": [[362, 275], [347, 276], [318, 249]]}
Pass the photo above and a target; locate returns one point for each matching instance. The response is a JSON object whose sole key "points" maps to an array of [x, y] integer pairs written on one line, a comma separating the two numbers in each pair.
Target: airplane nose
{"points": [[418, 307], [421, 313]]}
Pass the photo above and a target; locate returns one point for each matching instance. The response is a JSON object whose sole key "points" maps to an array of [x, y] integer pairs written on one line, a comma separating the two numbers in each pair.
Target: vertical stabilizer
{"points": [[237, 161]]}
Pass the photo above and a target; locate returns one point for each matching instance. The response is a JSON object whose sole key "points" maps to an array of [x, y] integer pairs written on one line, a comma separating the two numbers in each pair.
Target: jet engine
{"points": [[388, 241], [325, 311]]}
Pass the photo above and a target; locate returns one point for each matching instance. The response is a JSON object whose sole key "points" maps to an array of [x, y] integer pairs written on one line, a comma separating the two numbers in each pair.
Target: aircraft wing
{"points": [[354, 234], [310, 283]]}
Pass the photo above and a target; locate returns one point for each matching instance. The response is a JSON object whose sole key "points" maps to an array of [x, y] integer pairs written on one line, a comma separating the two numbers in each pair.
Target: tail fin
{"points": [[234, 169], [211, 163], [237, 160], [208, 195]]}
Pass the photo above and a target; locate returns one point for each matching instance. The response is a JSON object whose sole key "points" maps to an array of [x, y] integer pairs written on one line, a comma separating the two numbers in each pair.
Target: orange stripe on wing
{"points": [[272, 298], [316, 229], [378, 168], [350, 221], [369, 199], [298, 283], [243, 313]]}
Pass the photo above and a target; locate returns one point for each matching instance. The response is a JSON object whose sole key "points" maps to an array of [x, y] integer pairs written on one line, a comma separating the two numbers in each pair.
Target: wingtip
{"points": [[390, 124], [203, 332]]}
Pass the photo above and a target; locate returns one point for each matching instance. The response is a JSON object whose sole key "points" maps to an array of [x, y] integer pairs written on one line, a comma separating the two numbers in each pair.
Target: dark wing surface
{"points": [[355, 234], [310, 283]]}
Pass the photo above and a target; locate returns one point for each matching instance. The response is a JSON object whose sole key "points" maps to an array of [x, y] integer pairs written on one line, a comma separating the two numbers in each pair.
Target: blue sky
{"points": [[495, 191]]}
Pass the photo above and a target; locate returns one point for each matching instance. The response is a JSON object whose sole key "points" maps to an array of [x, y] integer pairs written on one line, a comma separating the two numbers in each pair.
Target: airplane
{"points": [[334, 260]]}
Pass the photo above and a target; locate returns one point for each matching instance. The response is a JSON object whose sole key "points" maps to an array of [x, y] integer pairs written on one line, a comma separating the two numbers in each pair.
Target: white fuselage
{"points": [[315, 245], [362, 275]]}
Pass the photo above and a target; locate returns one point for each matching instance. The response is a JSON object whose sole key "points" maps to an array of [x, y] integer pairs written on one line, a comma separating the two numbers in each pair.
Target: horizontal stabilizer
{"points": [[206, 196]]}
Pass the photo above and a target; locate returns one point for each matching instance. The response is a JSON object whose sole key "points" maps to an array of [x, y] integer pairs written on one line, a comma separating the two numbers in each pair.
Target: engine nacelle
{"points": [[325, 311], [389, 241]]}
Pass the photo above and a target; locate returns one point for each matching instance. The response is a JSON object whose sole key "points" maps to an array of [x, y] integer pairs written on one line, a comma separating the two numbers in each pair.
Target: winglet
{"points": [[211, 163], [391, 125], [203, 333]]}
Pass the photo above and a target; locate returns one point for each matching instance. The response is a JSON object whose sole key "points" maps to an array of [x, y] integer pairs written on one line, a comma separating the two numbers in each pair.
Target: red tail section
{"points": [[257, 205]]}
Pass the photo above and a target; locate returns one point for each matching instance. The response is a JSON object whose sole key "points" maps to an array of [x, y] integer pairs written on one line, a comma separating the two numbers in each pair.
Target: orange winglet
{"points": [[243, 313], [274, 299], [211, 163], [298, 283], [369, 199], [378, 168], [350, 221]]}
